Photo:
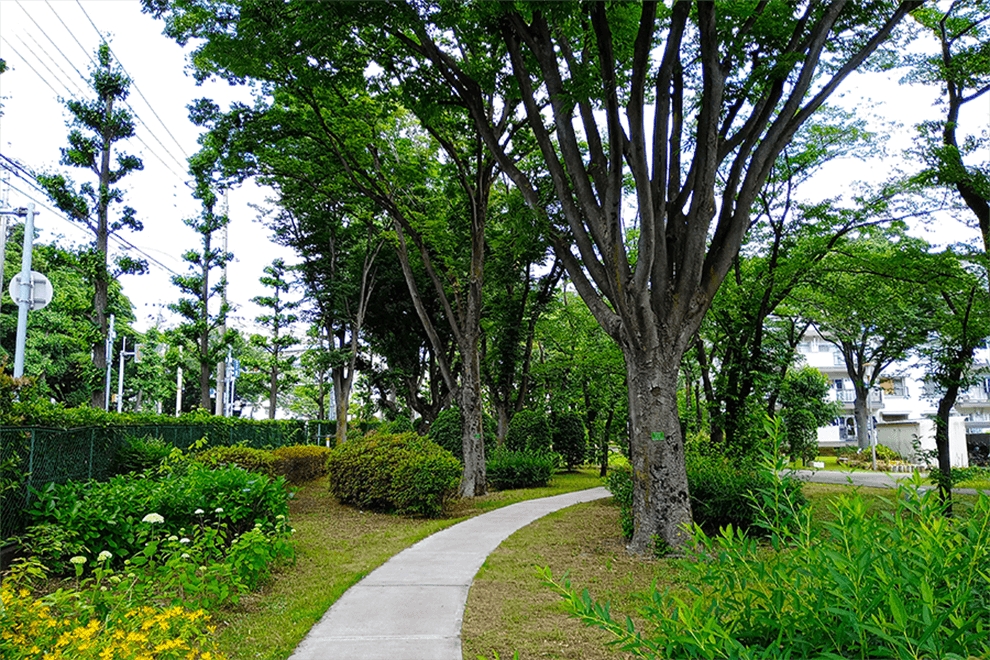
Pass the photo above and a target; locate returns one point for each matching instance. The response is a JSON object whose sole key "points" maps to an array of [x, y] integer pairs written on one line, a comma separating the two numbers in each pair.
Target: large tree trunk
{"points": [[661, 506], [474, 481], [862, 415]]}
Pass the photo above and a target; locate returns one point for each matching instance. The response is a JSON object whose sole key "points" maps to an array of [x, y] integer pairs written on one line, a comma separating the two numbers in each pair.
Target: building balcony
{"points": [[849, 396]]}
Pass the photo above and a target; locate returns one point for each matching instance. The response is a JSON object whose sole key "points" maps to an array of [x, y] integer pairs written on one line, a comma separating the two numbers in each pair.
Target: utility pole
{"points": [[111, 336], [178, 386], [26, 299], [221, 389], [120, 375]]}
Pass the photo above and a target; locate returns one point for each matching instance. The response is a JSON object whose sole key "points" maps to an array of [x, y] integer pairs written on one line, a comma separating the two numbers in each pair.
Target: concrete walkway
{"points": [[868, 479], [411, 607]]}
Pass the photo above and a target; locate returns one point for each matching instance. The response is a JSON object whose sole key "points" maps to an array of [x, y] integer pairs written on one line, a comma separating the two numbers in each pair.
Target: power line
{"points": [[51, 41], [24, 60], [71, 93], [75, 94], [71, 34], [134, 82], [22, 173], [84, 78]]}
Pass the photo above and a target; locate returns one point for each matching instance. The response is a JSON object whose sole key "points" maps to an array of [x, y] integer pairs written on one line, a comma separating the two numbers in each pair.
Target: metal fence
{"points": [[33, 457]]}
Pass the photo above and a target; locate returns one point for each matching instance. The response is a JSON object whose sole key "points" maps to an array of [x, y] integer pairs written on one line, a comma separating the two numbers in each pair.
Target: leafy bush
{"points": [[301, 463], [397, 425], [404, 473], [569, 438], [911, 583], [722, 491], [140, 453], [447, 431], [885, 453], [262, 461], [509, 469], [529, 430], [619, 483], [89, 517]]}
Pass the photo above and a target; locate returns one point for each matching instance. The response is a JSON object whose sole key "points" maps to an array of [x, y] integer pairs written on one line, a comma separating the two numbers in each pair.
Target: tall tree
{"points": [[615, 95], [277, 367], [97, 125], [872, 302], [199, 323], [961, 69], [962, 321]]}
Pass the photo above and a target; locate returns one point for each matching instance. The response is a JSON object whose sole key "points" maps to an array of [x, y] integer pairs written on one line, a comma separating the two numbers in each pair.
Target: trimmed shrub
{"points": [[397, 425], [302, 463], [403, 473], [529, 430], [447, 431], [569, 438], [140, 453], [509, 469], [262, 461]]}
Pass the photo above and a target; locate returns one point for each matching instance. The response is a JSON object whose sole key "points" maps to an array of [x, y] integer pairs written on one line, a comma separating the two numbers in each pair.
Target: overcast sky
{"points": [[48, 43]]}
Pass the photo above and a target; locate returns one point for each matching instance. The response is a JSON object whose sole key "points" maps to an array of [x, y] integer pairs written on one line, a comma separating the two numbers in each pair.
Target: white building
{"points": [[901, 406]]}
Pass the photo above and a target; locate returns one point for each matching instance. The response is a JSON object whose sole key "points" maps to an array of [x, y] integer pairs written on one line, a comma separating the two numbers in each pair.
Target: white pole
{"points": [[109, 357], [3, 248], [178, 386], [24, 304], [120, 377]]}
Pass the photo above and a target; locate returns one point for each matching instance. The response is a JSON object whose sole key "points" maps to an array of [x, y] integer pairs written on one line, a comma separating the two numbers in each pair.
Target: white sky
{"points": [[41, 52], [40, 55]]}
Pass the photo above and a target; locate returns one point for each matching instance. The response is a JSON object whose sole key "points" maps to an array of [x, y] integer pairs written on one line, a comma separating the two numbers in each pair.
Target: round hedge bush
{"points": [[529, 431], [401, 473], [447, 431], [569, 438]]}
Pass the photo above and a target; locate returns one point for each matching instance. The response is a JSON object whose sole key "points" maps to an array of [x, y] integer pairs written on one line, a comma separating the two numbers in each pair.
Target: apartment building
{"points": [[901, 406]]}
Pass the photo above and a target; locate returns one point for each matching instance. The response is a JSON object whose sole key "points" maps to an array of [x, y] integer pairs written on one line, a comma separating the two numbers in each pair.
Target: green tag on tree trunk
{"points": [[657, 436]]}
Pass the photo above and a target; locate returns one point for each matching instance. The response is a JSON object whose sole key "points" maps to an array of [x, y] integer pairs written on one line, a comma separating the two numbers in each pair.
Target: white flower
{"points": [[184, 540], [78, 560], [173, 538], [198, 512], [131, 576], [219, 510], [202, 568], [185, 555], [153, 518], [280, 517], [104, 556]]}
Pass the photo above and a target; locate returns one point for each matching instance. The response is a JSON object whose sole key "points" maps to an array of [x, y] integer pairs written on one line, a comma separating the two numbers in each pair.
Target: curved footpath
{"points": [[411, 607]]}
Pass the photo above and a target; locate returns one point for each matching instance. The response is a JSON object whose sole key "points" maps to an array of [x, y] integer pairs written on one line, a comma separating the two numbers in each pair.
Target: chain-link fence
{"points": [[32, 457]]}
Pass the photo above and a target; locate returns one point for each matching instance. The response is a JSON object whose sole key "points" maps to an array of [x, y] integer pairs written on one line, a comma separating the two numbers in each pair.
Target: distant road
{"points": [[868, 479]]}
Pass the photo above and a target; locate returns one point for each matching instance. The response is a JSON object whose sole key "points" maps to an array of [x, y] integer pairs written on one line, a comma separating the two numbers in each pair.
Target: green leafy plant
{"points": [[404, 473], [907, 583], [509, 469], [529, 430], [94, 516], [302, 463], [447, 431], [138, 453], [569, 438]]}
